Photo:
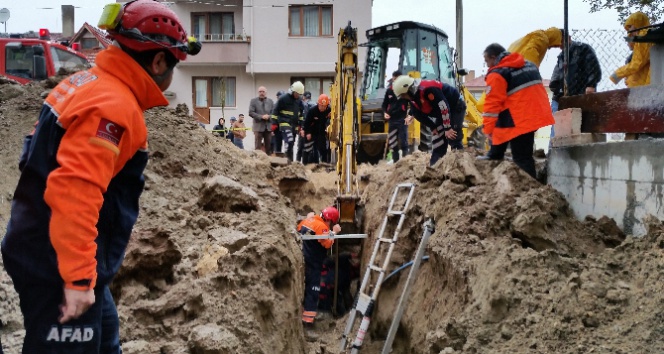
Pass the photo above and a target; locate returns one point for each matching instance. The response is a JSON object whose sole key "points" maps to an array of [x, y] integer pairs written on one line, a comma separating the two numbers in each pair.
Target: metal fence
{"points": [[611, 50]]}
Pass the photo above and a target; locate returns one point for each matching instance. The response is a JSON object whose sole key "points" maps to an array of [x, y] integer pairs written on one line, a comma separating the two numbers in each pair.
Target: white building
{"points": [[252, 43]]}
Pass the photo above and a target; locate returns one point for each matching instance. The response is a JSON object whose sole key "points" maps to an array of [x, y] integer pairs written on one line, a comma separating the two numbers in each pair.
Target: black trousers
{"points": [[397, 138], [314, 149], [522, 152]]}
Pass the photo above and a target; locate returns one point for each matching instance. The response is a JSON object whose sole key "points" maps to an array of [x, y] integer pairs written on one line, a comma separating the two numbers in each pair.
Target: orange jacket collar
{"points": [[119, 64]]}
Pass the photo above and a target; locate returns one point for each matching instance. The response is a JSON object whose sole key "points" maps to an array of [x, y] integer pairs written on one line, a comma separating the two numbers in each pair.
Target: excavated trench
{"points": [[213, 266]]}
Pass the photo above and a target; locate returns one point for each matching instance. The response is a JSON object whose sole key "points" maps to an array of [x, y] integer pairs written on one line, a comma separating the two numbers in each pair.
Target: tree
{"points": [[652, 8]]}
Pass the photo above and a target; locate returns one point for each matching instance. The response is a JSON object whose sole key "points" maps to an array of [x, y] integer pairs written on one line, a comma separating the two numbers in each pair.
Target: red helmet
{"points": [[330, 213], [324, 100], [146, 25]]}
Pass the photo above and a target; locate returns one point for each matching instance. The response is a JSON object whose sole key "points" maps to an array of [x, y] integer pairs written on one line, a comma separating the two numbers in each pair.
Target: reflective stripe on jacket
{"points": [[435, 100], [315, 226], [516, 101], [287, 111]]}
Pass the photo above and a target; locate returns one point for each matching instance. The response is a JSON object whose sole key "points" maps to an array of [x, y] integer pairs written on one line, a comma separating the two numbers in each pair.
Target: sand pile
{"points": [[213, 268]]}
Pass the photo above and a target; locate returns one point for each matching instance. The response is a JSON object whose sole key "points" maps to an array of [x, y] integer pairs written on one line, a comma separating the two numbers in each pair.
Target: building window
{"points": [[214, 92], [310, 21], [89, 43], [315, 85], [213, 26]]}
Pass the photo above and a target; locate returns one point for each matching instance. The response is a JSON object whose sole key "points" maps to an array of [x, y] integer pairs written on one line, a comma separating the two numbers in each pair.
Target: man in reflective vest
{"points": [[516, 106]]}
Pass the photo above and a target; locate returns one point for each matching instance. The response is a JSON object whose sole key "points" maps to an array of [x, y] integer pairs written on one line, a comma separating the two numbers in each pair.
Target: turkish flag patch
{"points": [[109, 131]]}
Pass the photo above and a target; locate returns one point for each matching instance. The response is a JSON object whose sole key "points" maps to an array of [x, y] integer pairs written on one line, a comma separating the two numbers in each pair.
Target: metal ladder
{"points": [[364, 303], [429, 228]]}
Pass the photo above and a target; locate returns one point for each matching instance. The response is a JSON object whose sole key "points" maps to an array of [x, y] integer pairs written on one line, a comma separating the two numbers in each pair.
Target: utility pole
{"points": [[459, 32]]}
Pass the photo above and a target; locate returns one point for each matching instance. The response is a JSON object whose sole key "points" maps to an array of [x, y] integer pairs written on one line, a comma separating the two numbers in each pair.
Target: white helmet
{"points": [[403, 84], [297, 87]]}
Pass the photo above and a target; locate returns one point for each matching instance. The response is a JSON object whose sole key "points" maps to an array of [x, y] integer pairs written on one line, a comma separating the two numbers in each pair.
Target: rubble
{"points": [[213, 266]]}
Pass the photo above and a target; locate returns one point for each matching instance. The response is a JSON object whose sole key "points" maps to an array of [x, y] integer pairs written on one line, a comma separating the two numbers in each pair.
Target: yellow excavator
{"points": [[358, 130]]}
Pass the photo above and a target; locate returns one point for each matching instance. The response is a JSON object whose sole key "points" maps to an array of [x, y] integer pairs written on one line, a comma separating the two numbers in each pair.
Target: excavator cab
{"points": [[413, 48]]}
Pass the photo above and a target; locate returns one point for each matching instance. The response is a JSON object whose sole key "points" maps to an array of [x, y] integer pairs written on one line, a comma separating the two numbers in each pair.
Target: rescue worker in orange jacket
{"points": [[315, 252], [439, 107], [516, 106], [534, 45], [637, 70], [81, 177]]}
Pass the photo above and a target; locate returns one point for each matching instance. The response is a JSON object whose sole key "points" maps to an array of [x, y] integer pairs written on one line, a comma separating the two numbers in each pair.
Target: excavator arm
{"points": [[344, 130]]}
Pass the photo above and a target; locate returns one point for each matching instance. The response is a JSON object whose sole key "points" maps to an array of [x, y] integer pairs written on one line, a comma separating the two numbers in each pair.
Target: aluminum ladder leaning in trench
{"points": [[364, 302], [429, 229]]}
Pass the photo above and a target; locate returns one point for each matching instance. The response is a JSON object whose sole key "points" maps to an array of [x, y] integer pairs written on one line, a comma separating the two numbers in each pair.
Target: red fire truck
{"points": [[28, 57]]}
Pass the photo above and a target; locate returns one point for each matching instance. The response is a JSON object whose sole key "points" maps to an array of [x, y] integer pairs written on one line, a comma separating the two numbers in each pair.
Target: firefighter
{"points": [[314, 127], [81, 177], [395, 111], [315, 252], [436, 105], [287, 115]]}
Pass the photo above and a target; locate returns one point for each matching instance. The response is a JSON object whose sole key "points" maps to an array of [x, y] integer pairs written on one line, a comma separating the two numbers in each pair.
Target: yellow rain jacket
{"points": [[534, 45], [637, 71]]}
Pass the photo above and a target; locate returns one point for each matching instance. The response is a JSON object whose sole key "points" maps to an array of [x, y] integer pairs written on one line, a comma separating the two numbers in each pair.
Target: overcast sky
{"points": [[485, 21]]}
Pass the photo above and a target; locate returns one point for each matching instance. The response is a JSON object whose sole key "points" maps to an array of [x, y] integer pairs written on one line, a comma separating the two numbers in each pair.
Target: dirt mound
{"points": [[212, 266]]}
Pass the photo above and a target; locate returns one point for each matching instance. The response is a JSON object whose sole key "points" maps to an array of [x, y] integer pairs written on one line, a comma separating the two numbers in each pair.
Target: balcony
{"points": [[221, 49]]}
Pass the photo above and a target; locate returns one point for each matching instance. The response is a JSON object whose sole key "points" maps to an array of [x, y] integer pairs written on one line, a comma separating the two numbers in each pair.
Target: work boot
{"points": [[487, 157], [309, 332], [323, 316]]}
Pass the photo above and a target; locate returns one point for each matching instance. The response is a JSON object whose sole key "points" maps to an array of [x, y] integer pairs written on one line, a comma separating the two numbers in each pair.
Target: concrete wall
{"points": [[657, 64], [622, 180]]}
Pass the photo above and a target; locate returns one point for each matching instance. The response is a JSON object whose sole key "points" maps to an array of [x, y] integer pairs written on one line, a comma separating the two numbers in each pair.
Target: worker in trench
{"points": [[436, 105], [82, 167], [315, 253]]}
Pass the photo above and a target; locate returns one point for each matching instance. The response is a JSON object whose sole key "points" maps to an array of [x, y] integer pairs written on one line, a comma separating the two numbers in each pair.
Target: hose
{"points": [[404, 266]]}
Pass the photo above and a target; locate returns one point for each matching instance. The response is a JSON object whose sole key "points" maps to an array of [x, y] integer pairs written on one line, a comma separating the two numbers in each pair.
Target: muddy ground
{"points": [[213, 266]]}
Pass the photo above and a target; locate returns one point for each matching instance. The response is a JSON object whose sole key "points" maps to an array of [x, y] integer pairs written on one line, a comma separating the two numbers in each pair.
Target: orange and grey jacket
{"points": [[637, 70], [534, 45], [81, 176], [516, 101], [315, 249]]}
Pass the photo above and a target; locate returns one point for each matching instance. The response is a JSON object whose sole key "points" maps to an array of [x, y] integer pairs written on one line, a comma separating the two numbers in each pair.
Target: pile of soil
{"points": [[213, 266]]}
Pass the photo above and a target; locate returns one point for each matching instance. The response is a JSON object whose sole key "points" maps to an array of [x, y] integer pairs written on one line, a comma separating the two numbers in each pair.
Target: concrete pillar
{"points": [[68, 21], [657, 64]]}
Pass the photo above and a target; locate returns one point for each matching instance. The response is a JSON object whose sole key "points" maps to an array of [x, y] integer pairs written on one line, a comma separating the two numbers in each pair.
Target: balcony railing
{"points": [[222, 37]]}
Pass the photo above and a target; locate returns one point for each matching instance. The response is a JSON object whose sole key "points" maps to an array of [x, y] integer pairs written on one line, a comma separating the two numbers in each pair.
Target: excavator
{"points": [[358, 130]]}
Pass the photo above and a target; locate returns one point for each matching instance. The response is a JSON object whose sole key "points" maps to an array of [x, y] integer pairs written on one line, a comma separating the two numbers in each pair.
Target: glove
{"points": [[614, 78], [274, 127]]}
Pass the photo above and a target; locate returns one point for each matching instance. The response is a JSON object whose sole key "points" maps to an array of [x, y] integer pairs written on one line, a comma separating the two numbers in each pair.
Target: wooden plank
{"points": [[635, 110]]}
